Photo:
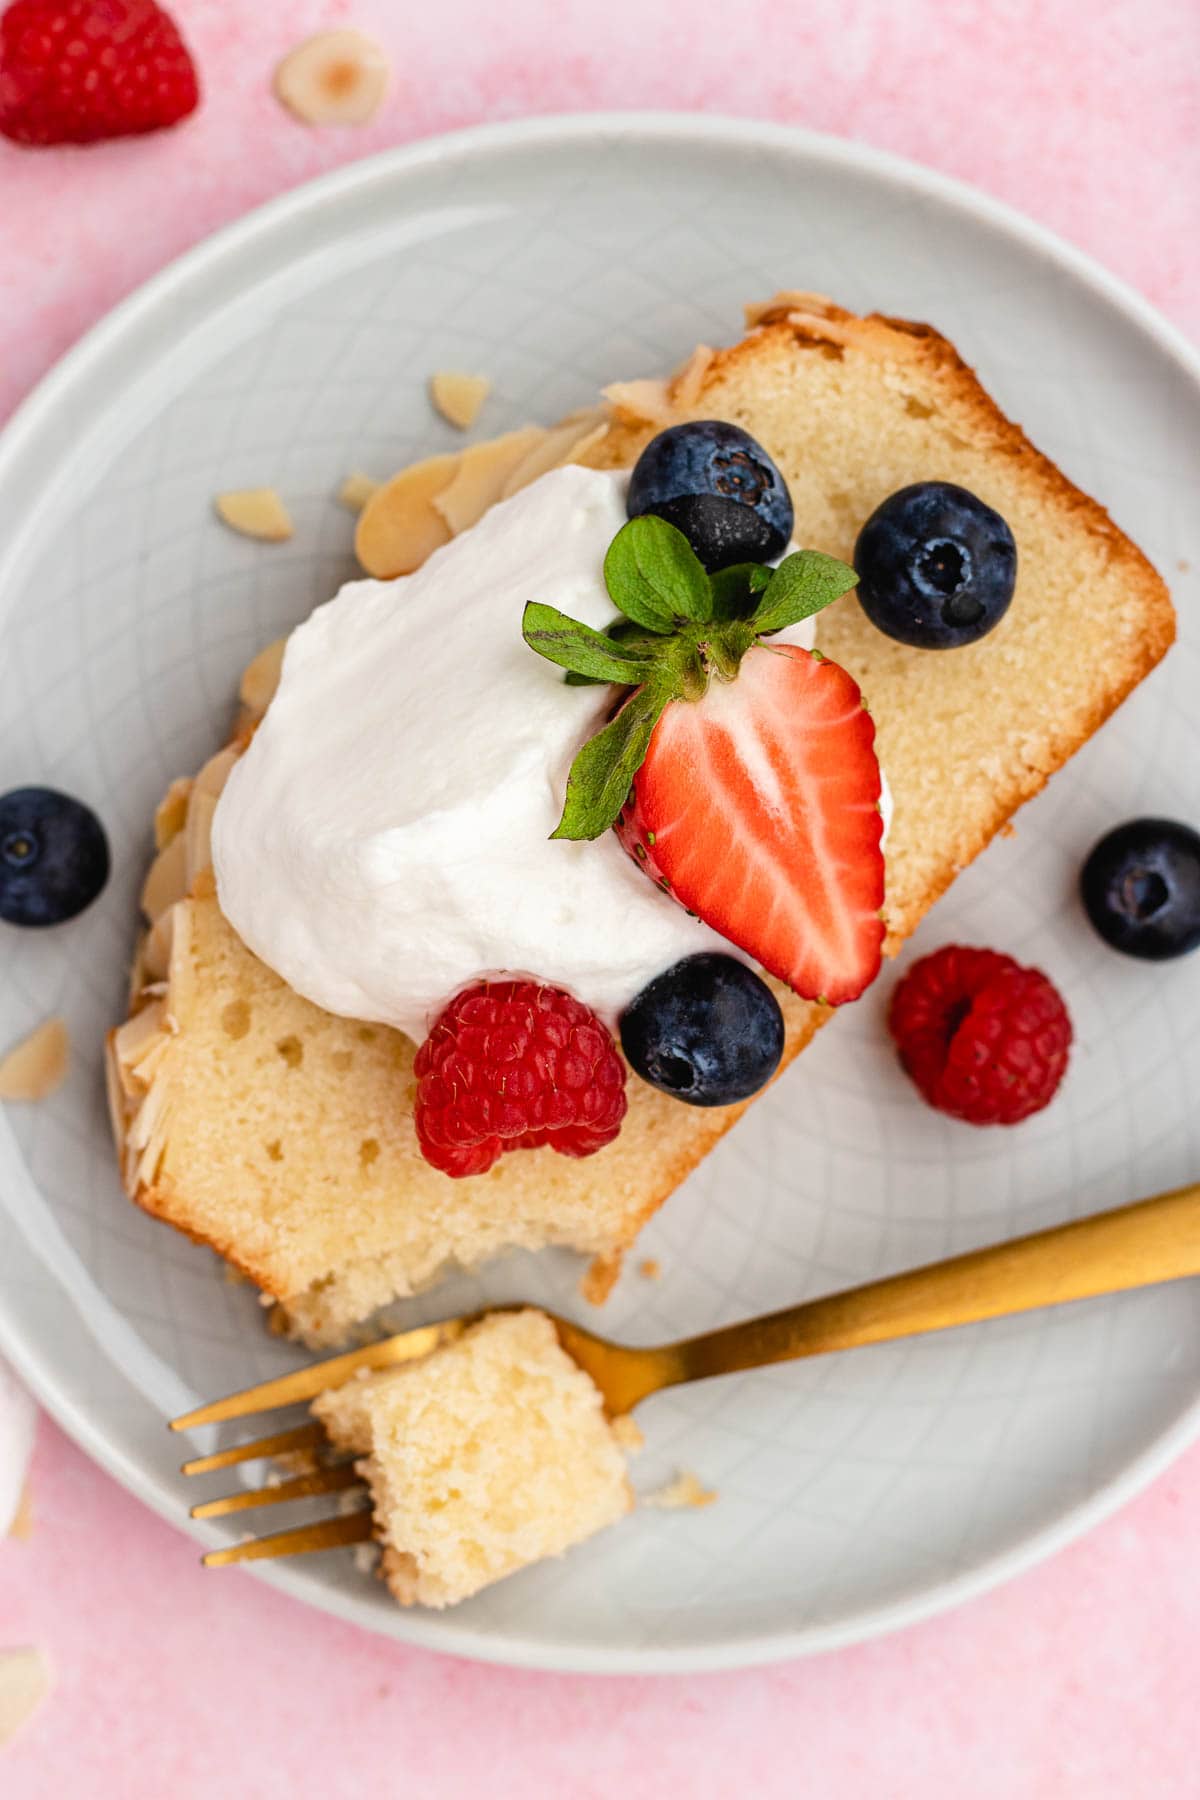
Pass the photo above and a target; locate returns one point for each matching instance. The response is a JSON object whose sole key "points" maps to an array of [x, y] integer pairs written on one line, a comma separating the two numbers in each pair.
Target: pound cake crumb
{"points": [[687, 1490], [490, 1454]]}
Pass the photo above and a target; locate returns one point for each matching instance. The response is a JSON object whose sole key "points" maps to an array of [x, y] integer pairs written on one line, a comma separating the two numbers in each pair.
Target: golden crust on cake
{"points": [[303, 1169]]}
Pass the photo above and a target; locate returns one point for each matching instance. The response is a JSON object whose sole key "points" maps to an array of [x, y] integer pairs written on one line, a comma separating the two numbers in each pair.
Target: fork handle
{"points": [[1134, 1246]]}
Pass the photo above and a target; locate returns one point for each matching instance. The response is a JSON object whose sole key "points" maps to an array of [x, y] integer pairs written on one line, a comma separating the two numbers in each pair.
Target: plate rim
{"points": [[38, 411]]}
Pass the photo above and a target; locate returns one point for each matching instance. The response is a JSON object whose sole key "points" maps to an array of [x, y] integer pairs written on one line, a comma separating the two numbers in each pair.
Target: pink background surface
{"points": [[1079, 1679]]}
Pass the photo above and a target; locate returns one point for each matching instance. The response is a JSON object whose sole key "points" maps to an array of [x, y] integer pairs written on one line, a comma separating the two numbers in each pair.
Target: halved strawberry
{"points": [[757, 807], [740, 771]]}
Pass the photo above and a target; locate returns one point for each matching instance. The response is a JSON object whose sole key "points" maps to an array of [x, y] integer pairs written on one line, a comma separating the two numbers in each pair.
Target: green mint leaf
{"points": [[735, 590], [585, 652], [802, 585], [602, 773], [655, 577]]}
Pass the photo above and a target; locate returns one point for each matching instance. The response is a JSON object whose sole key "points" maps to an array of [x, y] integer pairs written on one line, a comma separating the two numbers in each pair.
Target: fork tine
{"points": [[330, 1534], [281, 1443], [305, 1384], [333, 1480]]}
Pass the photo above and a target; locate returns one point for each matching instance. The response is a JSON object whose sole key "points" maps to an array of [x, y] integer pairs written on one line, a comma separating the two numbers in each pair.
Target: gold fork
{"points": [[1134, 1246]]}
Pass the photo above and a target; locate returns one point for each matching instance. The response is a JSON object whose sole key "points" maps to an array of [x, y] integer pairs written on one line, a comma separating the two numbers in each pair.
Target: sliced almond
{"points": [[400, 526], [149, 1116], [156, 951], [171, 811], [785, 301], [115, 1095], [356, 490], [256, 513], [582, 448], [644, 402], [138, 976], [459, 397], [37, 1065], [166, 880], [22, 1525], [688, 380], [139, 1041], [198, 835], [24, 1684], [150, 1161], [482, 472], [215, 773], [260, 678], [686, 1490], [554, 449], [334, 78]]}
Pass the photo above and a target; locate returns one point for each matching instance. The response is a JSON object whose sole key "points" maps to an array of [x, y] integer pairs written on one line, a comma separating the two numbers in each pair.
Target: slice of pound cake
{"points": [[490, 1454], [283, 1135]]}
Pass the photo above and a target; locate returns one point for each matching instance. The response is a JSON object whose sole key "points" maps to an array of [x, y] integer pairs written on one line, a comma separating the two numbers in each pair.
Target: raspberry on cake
{"points": [[515, 1065], [489, 1455]]}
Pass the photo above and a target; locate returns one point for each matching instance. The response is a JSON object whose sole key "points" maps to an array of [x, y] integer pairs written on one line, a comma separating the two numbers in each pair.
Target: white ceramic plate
{"points": [[856, 1493]]}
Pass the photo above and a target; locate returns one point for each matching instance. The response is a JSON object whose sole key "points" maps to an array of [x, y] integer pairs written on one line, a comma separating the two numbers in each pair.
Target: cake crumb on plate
{"points": [[687, 1490]]}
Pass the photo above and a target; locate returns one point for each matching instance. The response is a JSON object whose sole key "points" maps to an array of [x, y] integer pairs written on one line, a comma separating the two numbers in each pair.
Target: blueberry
{"points": [[53, 856], [719, 487], [936, 567], [1141, 888], [708, 1031]]}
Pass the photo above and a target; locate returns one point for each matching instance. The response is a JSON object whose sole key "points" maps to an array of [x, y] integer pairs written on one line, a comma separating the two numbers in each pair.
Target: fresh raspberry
{"points": [[511, 1065], [983, 1039], [75, 71]]}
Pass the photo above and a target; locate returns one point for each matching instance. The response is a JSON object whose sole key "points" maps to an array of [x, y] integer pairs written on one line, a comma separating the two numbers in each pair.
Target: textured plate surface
{"points": [[855, 1493]]}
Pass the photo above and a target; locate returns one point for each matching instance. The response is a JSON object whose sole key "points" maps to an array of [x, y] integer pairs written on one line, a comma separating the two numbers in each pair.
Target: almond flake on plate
{"points": [[24, 1684], [334, 78], [22, 1524], [356, 490], [37, 1065], [459, 397], [255, 513]]}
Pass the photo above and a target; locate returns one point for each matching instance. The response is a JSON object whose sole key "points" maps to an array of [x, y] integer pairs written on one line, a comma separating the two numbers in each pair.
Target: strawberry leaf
{"points": [[621, 631], [735, 590], [584, 652], [603, 771], [655, 577], [802, 585]]}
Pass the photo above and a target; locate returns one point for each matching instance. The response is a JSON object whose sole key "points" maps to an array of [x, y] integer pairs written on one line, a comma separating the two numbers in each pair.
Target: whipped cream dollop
{"points": [[386, 836]]}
